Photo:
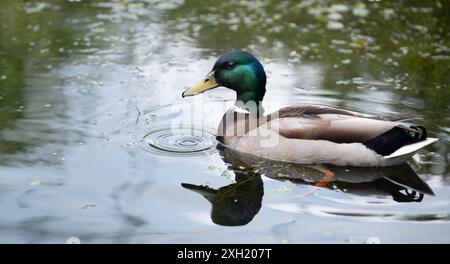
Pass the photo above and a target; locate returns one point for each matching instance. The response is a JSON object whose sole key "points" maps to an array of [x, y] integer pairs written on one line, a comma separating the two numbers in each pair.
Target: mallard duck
{"points": [[311, 134]]}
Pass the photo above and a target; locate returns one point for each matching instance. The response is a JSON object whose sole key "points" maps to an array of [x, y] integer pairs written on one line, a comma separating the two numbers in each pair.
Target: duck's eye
{"points": [[229, 65]]}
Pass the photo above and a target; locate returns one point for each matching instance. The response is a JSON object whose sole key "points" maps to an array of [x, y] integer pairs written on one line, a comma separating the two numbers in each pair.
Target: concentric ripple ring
{"points": [[178, 141]]}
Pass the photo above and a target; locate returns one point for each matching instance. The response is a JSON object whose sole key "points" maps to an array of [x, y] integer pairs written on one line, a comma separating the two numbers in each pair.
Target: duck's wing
{"points": [[384, 135], [333, 124], [296, 111]]}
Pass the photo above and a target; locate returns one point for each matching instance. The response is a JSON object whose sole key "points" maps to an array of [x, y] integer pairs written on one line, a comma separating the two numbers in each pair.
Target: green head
{"points": [[239, 71]]}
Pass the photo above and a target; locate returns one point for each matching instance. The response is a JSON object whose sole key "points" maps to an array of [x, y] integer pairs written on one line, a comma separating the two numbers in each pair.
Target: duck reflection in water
{"points": [[237, 203]]}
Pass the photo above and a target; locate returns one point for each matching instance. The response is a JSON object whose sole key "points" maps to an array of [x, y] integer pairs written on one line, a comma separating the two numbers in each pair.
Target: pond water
{"points": [[90, 92]]}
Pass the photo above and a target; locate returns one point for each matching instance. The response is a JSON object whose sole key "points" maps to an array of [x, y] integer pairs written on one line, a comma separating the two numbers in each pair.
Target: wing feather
{"points": [[327, 123], [295, 111]]}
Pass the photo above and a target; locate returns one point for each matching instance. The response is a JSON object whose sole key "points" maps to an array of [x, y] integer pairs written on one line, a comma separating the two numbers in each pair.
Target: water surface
{"points": [[90, 92]]}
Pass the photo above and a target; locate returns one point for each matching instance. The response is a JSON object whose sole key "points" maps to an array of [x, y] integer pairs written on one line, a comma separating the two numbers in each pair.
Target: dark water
{"points": [[90, 92]]}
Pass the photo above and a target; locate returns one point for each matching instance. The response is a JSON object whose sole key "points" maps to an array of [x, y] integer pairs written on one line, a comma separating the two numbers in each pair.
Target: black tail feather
{"points": [[395, 138]]}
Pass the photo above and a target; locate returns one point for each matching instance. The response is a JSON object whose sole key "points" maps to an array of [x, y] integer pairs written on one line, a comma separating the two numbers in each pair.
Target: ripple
{"points": [[179, 141]]}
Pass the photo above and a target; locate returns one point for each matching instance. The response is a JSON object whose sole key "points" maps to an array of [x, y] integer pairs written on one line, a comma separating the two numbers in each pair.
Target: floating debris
{"points": [[88, 206], [345, 51], [35, 8], [343, 82], [338, 8], [373, 240], [315, 11], [360, 10], [334, 16], [73, 240], [35, 182], [421, 29], [338, 42], [404, 50], [335, 25], [388, 14], [352, 241], [359, 43], [358, 80]]}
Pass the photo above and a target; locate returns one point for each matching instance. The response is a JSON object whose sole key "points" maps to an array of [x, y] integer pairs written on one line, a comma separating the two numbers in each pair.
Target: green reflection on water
{"points": [[405, 43], [34, 38], [402, 44]]}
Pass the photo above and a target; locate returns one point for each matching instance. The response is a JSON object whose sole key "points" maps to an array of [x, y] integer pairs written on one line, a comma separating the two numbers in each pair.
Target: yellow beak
{"points": [[207, 84]]}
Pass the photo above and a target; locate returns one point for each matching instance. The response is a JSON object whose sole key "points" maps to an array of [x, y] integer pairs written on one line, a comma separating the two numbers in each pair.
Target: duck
{"points": [[304, 134]]}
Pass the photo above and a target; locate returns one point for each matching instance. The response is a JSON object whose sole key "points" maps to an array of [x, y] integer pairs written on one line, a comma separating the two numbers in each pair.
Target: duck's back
{"points": [[319, 134]]}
